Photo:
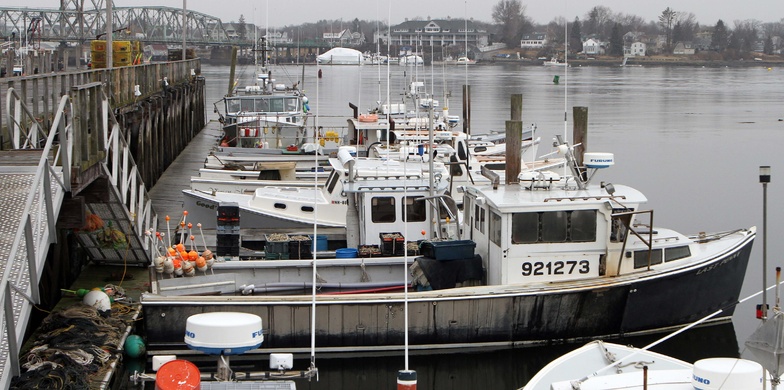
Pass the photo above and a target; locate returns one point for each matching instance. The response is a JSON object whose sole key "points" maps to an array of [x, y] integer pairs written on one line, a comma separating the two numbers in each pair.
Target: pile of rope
{"points": [[71, 345]]}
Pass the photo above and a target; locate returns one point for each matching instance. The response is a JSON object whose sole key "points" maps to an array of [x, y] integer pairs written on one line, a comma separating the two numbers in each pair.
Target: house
{"points": [[344, 38], [592, 47], [437, 32], [683, 48], [637, 49], [533, 41]]}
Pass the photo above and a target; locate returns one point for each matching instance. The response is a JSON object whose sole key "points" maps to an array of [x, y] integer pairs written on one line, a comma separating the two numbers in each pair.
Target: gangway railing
{"points": [[125, 211], [23, 266]]}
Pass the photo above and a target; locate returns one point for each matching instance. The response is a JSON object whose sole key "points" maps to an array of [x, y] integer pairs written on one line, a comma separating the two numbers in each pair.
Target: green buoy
{"points": [[134, 346]]}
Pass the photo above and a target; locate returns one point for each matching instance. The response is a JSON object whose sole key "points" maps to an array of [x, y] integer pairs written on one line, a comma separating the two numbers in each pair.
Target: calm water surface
{"points": [[691, 139]]}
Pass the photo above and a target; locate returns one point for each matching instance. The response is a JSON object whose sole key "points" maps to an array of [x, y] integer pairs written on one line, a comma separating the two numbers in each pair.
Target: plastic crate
{"points": [[413, 247], [276, 244], [448, 250], [300, 247], [392, 244], [368, 251]]}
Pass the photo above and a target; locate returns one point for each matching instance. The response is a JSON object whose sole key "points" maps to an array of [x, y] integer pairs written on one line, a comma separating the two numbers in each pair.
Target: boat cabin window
{"points": [[641, 258], [276, 105], [494, 231], [479, 218], [232, 105], [677, 252], [332, 180], [247, 105], [414, 210], [262, 105], [383, 209], [554, 226]]}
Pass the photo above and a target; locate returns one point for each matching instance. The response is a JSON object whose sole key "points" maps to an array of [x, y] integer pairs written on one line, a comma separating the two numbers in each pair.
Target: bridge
{"points": [[76, 23]]}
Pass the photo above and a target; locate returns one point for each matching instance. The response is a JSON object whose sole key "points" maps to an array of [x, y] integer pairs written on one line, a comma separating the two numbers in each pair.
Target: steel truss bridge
{"points": [[79, 21]]}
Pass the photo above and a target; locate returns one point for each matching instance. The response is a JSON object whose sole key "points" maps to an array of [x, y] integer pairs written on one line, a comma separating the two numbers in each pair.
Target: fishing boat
{"points": [[603, 365], [268, 116], [300, 204], [554, 62], [553, 257]]}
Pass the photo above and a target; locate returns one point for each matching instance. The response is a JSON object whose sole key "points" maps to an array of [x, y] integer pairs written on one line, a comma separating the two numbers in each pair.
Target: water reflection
{"points": [[500, 368]]}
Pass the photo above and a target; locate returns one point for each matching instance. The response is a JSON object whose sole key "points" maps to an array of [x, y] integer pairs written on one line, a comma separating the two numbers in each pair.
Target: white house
{"points": [[533, 41], [592, 47], [637, 49]]}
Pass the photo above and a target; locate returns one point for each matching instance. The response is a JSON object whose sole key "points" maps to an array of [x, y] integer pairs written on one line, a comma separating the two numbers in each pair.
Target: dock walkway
{"points": [[166, 194]]}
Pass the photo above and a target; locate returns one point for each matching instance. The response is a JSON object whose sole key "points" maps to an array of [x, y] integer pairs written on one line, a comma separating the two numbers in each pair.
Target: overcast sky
{"points": [[278, 13]]}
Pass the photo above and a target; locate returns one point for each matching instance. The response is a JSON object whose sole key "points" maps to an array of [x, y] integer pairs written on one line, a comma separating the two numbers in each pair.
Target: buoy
{"points": [[178, 375], [99, 300], [134, 346], [406, 380]]}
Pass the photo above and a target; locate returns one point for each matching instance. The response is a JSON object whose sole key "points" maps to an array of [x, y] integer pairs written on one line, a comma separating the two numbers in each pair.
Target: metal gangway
{"points": [[38, 176]]}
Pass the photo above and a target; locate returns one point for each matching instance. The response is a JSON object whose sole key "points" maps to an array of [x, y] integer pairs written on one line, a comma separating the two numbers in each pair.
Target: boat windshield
{"points": [[265, 104]]}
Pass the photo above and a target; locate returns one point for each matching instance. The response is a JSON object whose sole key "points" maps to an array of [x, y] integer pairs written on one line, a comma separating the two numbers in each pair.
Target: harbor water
{"points": [[691, 139]]}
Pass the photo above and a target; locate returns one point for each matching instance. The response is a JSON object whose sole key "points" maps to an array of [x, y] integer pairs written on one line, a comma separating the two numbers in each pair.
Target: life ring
{"points": [[368, 118]]}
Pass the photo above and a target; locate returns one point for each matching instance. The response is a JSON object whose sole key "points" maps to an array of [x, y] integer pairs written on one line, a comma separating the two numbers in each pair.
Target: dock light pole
{"points": [[764, 178]]}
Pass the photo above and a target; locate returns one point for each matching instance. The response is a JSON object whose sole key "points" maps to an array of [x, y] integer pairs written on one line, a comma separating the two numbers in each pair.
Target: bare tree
{"points": [[598, 21], [666, 21], [510, 16]]}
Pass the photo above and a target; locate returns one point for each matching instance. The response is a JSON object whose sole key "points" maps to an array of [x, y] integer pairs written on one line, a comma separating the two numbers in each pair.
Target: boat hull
{"points": [[508, 315]]}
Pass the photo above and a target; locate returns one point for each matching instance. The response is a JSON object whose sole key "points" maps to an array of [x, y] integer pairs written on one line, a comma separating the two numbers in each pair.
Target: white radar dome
{"points": [[599, 160], [223, 333], [727, 374]]}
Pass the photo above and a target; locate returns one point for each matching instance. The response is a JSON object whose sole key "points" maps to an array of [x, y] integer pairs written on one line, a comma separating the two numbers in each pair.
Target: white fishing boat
{"points": [[555, 257], [263, 204], [554, 62], [601, 365]]}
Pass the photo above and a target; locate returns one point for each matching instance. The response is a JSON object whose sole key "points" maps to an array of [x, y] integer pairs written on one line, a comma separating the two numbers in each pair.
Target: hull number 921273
{"points": [[558, 267]]}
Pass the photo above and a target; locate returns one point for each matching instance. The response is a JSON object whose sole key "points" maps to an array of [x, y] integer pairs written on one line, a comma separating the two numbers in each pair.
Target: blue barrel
{"points": [[346, 253], [320, 242]]}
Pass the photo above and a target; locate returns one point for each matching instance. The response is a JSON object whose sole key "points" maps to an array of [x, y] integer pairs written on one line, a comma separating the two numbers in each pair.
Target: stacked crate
{"points": [[228, 230], [124, 53]]}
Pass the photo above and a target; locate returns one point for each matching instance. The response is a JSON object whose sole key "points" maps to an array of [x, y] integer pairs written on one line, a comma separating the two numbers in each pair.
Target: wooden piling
{"points": [[580, 132], [517, 107], [467, 109]]}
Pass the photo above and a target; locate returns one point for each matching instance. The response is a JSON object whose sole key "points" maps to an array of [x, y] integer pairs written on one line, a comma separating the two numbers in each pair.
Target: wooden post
{"points": [[467, 109], [514, 138], [233, 67], [580, 132], [517, 107]]}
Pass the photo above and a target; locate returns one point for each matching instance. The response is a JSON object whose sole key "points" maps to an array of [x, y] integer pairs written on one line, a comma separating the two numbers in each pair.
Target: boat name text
{"points": [[557, 267], [718, 264], [205, 205]]}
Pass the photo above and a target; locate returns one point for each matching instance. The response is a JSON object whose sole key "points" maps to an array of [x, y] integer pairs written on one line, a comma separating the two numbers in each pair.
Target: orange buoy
{"points": [[178, 375], [193, 255]]}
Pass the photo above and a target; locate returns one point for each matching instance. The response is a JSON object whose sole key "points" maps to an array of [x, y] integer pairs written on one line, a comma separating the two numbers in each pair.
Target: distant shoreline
{"points": [[648, 61]]}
